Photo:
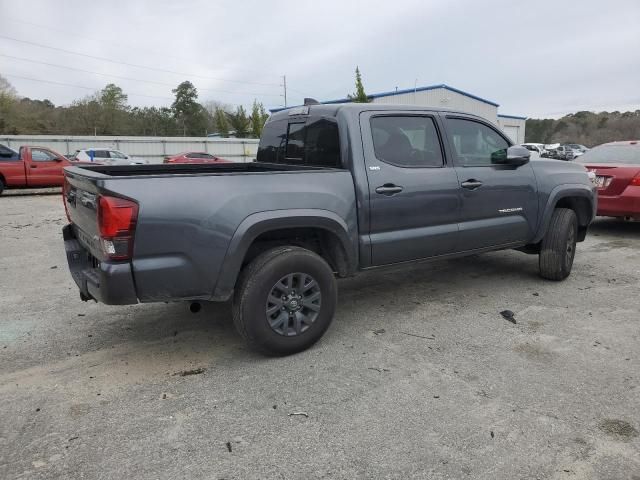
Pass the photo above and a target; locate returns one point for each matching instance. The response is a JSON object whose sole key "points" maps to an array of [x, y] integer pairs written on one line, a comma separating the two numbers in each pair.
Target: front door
{"points": [[45, 168], [499, 202], [413, 191]]}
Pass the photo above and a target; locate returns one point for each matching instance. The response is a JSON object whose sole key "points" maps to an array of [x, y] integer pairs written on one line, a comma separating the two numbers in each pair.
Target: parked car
{"points": [[550, 150], [565, 152], [617, 169], [194, 157], [335, 189], [537, 149], [106, 156], [579, 148], [31, 167]]}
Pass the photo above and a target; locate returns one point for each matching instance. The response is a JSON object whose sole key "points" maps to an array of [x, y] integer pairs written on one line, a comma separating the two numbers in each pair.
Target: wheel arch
{"points": [[321, 231], [579, 198]]}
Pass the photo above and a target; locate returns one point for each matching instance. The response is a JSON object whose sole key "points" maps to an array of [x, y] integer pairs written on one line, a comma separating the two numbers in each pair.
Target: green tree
{"points": [[8, 98], [113, 101], [258, 118], [240, 122], [221, 122], [187, 111], [359, 96]]}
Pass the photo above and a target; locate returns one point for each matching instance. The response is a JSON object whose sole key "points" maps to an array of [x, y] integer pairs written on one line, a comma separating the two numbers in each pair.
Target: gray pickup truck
{"points": [[335, 190]]}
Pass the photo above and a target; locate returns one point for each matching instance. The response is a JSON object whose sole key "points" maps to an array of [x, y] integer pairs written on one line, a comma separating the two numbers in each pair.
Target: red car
{"points": [[617, 169], [31, 167], [194, 157]]}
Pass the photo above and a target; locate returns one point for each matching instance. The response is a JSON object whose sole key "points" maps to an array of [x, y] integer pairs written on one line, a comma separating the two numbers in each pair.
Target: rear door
{"points": [[413, 191], [45, 168], [499, 202]]}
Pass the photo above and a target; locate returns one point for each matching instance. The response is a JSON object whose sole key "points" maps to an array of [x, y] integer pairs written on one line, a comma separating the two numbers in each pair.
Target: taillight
{"points": [[65, 192], [636, 181], [117, 219]]}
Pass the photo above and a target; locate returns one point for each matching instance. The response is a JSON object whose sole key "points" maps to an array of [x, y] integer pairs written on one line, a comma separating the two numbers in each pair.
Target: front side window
{"points": [[117, 154], [406, 141], [476, 144], [38, 155]]}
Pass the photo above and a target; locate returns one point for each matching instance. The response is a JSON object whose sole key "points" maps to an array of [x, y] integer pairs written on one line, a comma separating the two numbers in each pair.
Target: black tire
{"points": [[256, 286], [1, 186], [558, 247]]}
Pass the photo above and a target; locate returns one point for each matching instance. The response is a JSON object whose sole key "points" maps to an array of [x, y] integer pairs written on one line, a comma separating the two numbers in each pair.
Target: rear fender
{"points": [[258, 223]]}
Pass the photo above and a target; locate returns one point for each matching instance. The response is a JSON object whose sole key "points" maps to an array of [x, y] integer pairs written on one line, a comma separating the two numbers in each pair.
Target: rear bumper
{"points": [[109, 283], [627, 204]]}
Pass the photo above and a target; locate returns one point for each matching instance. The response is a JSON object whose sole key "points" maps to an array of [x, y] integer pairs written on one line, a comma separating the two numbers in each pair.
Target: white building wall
{"points": [[153, 149], [442, 98], [513, 127]]}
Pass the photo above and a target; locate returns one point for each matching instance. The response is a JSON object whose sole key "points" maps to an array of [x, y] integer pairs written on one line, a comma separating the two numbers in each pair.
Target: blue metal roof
{"points": [[515, 117], [407, 90]]}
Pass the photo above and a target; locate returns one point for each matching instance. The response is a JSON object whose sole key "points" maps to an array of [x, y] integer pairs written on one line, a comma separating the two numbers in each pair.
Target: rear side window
{"points": [[314, 143], [406, 141], [198, 155], [6, 152], [99, 153]]}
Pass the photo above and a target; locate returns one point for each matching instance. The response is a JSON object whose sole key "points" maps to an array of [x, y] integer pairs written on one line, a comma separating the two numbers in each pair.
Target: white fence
{"points": [[153, 149]]}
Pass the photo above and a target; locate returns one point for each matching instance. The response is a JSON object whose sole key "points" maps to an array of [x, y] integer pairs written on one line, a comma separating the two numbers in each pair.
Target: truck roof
{"points": [[331, 110]]}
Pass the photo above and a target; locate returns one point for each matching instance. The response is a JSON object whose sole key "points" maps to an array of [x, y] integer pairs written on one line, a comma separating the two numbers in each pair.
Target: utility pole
{"points": [[284, 85]]}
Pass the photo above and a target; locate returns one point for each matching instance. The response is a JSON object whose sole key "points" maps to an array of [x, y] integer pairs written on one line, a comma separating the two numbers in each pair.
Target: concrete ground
{"points": [[418, 377]]}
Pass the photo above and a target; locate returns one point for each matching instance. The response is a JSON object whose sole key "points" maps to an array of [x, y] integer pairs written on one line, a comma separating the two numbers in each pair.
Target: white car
{"points": [[106, 156]]}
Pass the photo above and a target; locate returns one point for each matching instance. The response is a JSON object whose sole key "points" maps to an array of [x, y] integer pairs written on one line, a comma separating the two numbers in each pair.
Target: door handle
{"points": [[471, 184], [33, 166], [389, 189]]}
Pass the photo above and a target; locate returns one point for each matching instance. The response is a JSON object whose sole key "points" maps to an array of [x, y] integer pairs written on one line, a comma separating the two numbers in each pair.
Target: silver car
{"points": [[106, 156]]}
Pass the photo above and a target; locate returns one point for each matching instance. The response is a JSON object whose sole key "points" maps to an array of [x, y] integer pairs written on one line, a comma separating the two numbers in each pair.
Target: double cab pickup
{"points": [[335, 190]]}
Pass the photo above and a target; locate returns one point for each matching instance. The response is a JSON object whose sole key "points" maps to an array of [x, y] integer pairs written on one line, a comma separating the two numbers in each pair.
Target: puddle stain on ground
{"points": [[618, 429]]}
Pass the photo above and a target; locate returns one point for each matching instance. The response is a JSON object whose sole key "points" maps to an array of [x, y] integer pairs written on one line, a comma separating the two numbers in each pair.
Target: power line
{"points": [[104, 59], [76, 35], [134, 79], [77, 86]]}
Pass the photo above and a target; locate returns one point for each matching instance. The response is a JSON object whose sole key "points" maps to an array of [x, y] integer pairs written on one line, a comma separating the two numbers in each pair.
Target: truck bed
{"points": [[188, 218], [195, 169]]}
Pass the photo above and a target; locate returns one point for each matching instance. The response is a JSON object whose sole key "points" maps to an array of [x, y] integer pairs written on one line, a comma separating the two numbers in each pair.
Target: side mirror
{"points": [[58, 159], [518, 155], [515, 155]]}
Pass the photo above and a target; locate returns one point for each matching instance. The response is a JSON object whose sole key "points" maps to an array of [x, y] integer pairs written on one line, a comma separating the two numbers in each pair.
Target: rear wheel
{"points": [[285, 300], [1, 186], [558, 247]]}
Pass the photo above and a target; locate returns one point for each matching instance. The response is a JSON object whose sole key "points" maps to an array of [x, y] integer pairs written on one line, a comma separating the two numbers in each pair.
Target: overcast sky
{"points": [[543, 59]]}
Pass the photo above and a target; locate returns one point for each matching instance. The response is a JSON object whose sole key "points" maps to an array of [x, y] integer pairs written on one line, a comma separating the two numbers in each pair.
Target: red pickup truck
{"points": [[31, 167]]}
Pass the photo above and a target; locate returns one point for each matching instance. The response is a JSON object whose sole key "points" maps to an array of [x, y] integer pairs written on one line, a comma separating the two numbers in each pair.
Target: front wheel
{"points": [[1, 186], [285, 300], [558, 247]]}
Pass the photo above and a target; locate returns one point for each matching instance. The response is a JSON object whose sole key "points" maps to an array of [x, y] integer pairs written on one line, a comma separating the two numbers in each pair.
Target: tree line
{"points": [[586, 128], [107, 112]]}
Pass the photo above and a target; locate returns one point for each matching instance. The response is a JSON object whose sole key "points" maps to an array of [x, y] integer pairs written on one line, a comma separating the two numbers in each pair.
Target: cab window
{"points": [[406, 141], [314, 143], [475, 144], [38, 155]]}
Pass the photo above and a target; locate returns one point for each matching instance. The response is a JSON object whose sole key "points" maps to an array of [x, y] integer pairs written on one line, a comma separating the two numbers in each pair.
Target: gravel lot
{"points": [[418, 377]]}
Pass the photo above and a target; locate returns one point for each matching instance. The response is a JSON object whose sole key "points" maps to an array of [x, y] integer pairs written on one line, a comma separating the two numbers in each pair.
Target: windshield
{"points": [[629, 153]]}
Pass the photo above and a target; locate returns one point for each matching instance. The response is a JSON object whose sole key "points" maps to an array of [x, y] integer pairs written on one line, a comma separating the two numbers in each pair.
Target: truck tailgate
{"points": [[80, 195]]}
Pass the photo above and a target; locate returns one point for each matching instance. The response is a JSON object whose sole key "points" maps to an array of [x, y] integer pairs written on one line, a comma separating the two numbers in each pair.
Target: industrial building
{"points": [[444, 96]]}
